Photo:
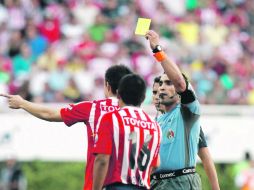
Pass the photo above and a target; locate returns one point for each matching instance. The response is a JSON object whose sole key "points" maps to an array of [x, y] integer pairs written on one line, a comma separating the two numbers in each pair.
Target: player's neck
{"points": [[110, 94], [122, 104]]}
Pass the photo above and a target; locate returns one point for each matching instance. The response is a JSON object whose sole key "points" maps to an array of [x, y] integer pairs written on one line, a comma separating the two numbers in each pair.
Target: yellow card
{"points": [[143, 26]]}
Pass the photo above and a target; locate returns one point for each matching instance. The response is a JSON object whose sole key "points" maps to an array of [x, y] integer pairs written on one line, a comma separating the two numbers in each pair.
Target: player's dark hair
{"points": [[114, 74], [156, 80], [132, 89]]}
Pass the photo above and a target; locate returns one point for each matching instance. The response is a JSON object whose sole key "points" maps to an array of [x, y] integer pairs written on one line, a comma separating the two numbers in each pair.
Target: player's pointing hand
{"points": [[15, 101]]}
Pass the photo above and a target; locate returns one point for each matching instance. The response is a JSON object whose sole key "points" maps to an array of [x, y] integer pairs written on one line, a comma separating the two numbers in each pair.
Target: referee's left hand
{"points": [[153, 38]]}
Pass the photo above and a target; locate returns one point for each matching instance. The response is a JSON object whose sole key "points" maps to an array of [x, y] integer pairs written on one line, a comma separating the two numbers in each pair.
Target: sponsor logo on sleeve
{"points": [[107, 108]]}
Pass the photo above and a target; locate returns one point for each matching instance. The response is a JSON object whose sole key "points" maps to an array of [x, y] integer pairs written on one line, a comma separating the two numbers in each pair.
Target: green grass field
{"points": [[69, 175]]}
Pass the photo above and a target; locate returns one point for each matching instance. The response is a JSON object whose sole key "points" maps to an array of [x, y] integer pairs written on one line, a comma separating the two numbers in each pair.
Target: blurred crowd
{"points": [[58, 50]]}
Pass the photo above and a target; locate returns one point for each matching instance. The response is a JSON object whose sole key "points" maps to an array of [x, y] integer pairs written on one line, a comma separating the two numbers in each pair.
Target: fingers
{"points": [[148, 34], [12, 100], [5, 95], [151, 34]]}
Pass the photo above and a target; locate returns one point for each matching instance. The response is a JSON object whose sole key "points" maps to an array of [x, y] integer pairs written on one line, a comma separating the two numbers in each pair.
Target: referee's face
{"points": [[167, 91]]}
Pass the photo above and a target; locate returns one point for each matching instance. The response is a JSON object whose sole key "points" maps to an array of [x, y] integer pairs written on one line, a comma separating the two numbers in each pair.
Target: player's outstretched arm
{"points": [[100, 170], [40, 111], [209, 167], [170, 68]]}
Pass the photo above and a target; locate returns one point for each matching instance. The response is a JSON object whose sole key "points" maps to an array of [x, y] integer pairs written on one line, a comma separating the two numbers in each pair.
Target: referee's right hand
{"points": [[14, 101]]}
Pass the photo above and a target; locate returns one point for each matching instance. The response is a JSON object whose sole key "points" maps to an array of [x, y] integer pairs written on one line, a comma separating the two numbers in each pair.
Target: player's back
{"points": [[136, 138], [89, 112]]}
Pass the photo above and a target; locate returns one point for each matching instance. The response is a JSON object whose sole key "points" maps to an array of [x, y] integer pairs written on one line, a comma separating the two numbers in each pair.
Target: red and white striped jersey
{"points": [[88, 112], [132, 139]]}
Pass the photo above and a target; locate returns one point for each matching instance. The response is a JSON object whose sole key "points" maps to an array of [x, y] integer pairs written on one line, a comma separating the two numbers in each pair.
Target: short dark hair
{"points": [[132, 89], [114, 74], [156, 80]]}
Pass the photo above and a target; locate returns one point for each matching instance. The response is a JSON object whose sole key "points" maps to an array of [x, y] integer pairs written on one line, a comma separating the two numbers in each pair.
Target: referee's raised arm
{"points": [[170, 68]]}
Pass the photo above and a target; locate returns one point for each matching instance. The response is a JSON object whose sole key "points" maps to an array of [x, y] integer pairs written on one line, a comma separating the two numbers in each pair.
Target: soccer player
{"points": [[180, 126], [128, 141], [203, 151], [87, 112]]}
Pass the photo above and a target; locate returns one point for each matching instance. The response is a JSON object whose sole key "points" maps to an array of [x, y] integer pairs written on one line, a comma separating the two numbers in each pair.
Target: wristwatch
{"points": [[157, 48]]}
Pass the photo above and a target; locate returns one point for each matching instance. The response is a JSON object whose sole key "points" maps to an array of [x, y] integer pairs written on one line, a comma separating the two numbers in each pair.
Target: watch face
{"points": [[159, 48]]}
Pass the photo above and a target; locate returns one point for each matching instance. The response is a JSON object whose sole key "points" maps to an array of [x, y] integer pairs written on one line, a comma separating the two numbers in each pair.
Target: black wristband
{"points": [[157, 49]]}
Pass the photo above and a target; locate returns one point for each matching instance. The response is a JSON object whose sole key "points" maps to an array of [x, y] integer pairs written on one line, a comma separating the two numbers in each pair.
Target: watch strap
{"points": [[157, 49]]}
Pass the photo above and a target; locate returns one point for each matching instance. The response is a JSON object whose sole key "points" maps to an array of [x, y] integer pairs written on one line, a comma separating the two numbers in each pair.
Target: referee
{"points": [[203, 150], [180, 126]]}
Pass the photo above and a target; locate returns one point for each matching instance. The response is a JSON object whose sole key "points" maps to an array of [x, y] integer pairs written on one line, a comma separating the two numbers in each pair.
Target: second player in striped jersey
{"points": [[128, 141]]}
